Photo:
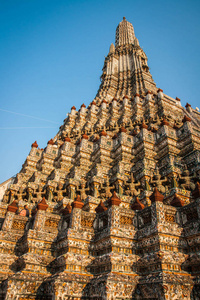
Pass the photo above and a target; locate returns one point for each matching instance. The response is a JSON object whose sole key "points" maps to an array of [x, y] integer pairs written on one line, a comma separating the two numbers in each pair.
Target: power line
{"points": [[16, 113], [25, 127]]}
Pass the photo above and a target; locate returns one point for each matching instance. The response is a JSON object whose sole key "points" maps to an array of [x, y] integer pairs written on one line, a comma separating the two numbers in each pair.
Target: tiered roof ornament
{"points": [[13, 207], [42, 205], [156, 196], [124, 33]]}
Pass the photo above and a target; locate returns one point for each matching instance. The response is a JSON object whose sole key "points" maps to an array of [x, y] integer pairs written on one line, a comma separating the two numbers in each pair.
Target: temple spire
{"points": [[124, 33], [112, 48]]}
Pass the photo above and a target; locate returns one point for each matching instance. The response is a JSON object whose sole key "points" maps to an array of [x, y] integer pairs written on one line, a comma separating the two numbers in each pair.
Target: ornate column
{"points": [[11, 211]]}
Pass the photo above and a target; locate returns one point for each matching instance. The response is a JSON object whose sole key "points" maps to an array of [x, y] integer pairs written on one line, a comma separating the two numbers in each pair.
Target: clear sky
{"points": [[52, 54]]}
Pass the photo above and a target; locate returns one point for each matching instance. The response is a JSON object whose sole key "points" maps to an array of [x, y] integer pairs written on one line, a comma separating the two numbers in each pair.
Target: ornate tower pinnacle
{"points": [[125, 70], [124, 33]]}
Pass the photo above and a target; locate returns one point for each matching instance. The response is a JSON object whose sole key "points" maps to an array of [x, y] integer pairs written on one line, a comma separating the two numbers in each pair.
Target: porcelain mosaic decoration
{"points": [[114, 198]]}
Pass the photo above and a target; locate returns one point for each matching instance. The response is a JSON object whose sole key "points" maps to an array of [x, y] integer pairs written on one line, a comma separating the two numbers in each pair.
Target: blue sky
{"points": [[52, 53]]}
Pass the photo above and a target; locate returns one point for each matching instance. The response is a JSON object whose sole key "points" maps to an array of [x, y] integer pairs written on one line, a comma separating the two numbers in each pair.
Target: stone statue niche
{"points": [[132, 187], [83, 189], [107, 189], [156, 181], [185, 180]]}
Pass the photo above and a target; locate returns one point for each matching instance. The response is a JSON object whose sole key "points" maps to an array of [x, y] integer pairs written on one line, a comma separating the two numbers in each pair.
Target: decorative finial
{"points": [[114, 200], [177, 201], [124, 34], [101, 207], [103, 133], [34, 145], [112, 48], [67, 210], [42, 205], [67, 139], [77, 203], [13, 207], [51, 142], [137, 205], [156, 196]]}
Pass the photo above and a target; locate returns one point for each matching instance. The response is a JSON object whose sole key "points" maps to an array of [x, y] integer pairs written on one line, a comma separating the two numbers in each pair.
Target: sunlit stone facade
{"points": [[114, 198]]}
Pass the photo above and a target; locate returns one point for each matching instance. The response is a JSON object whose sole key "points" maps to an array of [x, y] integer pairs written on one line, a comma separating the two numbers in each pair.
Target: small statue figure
{"points": [[132, 187], [83, 190], [95, 188], [39, 193], [29, 195], [72, 191], [107, 189], [49, 191], [174, 183], [158, 181], [20, 194], [119, 186], [11, 196], [145, 185], [6, 196], [187, 183], [60, 192]]}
